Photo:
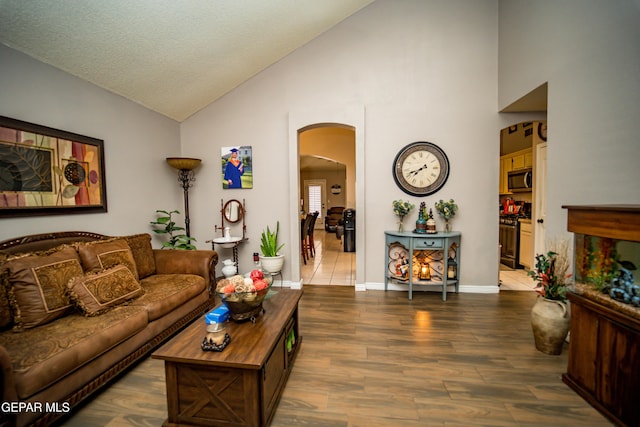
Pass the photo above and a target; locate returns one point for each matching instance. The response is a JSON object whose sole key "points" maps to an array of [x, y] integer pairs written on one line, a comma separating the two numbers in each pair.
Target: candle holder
{"points": [[425, 272], [452, 268]]}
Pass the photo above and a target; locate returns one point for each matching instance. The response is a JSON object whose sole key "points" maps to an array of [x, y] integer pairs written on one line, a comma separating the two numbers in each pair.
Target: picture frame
{"points": [[47, 171], [237, 167]]}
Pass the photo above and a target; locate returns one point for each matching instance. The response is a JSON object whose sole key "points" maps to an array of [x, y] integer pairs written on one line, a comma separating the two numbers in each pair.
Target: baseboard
{"points": [[465, 289]]}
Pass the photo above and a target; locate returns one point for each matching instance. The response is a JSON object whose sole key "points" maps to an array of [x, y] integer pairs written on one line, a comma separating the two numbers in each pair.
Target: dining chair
{"points": [[304, 241], [312, 226]]}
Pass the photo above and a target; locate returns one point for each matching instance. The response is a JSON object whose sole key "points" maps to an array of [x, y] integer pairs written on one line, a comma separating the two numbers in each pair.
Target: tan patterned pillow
{"points": [[97, 292], [140, 245], [37, 286], [103, 254]]}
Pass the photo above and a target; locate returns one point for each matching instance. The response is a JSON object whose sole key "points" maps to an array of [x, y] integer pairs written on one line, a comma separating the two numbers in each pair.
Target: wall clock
{"points": [[420, 168], [542, 131]]}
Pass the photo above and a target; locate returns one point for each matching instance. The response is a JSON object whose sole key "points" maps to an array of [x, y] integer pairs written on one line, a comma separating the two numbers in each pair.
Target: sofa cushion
{"points": [[94, 293], [103, 254], [165, 292], [37, 285], [41, 356], [142, 251], [6, 319]]}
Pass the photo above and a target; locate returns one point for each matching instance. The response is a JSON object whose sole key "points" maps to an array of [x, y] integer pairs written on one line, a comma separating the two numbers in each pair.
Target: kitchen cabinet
{"points": [[505, 168], [526, 244], [522, 159]]}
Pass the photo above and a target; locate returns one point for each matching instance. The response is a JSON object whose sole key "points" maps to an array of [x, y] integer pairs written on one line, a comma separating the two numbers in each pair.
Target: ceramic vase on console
{"points": [[550, 325]]}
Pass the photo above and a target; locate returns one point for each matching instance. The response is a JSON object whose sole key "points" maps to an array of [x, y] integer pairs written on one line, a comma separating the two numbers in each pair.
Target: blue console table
{"points": [[422, 259]]}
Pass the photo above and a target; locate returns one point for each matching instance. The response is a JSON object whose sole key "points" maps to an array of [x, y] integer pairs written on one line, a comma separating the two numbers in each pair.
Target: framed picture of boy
{"points": [[237, 169]]}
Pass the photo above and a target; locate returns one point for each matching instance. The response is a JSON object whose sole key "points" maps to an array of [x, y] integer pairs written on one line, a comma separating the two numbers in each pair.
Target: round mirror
{"points": [[233, 211]]}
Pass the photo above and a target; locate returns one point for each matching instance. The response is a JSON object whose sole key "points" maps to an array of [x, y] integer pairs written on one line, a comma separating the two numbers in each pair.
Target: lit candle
{"points": [[424, 272]]}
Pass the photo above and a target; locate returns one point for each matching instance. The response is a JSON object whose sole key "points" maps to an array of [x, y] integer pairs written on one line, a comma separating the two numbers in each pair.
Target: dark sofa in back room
{"points": [[333, 218]]}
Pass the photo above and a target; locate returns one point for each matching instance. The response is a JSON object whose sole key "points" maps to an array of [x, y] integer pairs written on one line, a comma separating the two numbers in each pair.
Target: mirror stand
{"points": [[231, 212]]}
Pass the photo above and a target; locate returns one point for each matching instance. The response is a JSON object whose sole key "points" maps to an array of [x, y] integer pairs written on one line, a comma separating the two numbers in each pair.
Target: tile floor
{"points": [[515, 280], [332, 266]]}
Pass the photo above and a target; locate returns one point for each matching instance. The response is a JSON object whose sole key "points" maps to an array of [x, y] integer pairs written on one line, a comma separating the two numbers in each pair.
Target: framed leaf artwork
{"points": [[46, 171]]}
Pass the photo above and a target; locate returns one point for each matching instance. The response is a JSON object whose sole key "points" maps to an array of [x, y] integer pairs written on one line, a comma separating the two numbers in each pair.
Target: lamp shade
{"points": [[183, 163]]}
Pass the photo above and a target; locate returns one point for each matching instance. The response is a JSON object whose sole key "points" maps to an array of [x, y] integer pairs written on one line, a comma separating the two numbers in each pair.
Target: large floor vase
{"points": [[550, 324]]}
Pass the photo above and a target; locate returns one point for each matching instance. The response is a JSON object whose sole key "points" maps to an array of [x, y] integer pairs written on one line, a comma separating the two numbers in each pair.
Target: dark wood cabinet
{"points": [[241, 385], [604, 346], [604, 360]]}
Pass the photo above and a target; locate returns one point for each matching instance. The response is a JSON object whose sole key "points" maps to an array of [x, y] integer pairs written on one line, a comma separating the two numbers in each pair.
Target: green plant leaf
{"points": [[269, 242]]}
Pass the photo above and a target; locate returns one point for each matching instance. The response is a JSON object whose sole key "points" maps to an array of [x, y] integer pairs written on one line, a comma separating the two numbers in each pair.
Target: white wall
{"points": [[136, 142], [589, 52], [422, 71]]}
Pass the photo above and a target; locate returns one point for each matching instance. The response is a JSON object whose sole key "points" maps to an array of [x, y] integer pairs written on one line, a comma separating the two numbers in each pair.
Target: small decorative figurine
{"points": [[431, 223]]}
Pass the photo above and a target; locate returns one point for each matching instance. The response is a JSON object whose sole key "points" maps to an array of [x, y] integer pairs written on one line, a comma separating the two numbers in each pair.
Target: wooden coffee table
{"points": [[242, 385]]}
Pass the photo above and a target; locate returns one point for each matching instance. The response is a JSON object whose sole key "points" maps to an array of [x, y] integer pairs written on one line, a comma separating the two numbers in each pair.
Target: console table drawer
{"points": [[427, 243]]}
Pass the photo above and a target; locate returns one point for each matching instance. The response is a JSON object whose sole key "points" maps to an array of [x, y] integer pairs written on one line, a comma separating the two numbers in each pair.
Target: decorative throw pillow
{"points": [[140, 245], [37, 285], [97, 292], [103, 254]]}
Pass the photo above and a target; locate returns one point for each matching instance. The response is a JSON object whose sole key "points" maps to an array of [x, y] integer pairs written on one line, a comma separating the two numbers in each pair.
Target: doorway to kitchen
{"points": [[521, 195]]}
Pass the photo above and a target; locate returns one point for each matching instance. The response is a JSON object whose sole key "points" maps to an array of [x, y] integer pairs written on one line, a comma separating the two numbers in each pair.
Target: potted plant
{"points": [[401, 208], [447, 210], [549, 315], [168, 226], [270, 260]]}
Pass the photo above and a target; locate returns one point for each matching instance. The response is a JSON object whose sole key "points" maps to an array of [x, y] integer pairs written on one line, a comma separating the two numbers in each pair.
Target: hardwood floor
{"points": [[376, 359]]}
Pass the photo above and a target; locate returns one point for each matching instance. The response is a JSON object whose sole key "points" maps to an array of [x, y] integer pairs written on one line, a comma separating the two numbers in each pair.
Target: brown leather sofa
{"points": [[78, 308]]}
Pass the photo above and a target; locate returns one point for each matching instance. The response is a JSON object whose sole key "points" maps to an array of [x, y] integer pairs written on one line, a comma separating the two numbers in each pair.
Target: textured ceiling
{"points": [[174, 57]]}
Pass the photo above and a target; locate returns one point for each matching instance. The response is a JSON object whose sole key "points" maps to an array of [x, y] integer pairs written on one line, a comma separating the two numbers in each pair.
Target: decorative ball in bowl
{"points": [[243, 296]]}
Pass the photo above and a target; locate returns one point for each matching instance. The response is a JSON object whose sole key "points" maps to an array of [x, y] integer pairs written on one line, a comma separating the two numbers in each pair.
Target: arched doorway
{"points": [[327, 185], [299, 121]]}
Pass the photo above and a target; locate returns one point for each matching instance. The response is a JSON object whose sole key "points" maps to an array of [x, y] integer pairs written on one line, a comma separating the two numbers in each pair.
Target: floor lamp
{"points": [[185, 167]]}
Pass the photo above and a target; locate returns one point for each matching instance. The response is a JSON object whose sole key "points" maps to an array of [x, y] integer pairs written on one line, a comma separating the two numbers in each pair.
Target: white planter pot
{"points": [[272, 264]]}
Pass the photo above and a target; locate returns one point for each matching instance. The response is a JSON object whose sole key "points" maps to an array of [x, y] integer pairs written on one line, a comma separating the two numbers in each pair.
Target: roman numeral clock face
{"points": [[420, 168]]}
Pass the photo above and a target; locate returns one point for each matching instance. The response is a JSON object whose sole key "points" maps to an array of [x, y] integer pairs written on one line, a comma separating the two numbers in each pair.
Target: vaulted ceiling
{"points": [[174, 57]]}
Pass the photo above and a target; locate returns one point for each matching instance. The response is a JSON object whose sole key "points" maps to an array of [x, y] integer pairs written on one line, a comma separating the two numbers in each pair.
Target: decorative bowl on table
{"points": [[243, 296]]}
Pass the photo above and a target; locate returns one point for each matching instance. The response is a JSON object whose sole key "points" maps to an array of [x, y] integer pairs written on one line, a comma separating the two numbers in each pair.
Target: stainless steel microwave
{"points": [[520, 181]]}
